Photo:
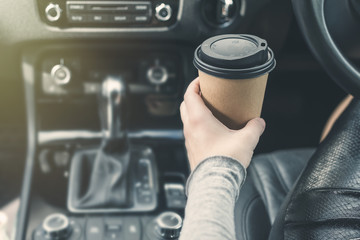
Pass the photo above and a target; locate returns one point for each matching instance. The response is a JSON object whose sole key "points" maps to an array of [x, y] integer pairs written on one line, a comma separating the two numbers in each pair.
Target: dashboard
{"points": [[56, 55], [63, 50], [24, 22]]}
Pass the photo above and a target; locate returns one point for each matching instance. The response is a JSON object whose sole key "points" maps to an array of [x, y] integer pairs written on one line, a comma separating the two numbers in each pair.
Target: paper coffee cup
{"points": [[233, 72]]}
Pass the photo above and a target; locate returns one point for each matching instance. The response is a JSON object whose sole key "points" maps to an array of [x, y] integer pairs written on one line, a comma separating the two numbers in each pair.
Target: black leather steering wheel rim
{"points": [[310, 15], [325, 201]]}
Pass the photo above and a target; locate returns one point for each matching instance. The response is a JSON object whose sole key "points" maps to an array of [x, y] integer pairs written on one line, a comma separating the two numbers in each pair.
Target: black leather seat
{"points": [[270, 178], [310, 195]]}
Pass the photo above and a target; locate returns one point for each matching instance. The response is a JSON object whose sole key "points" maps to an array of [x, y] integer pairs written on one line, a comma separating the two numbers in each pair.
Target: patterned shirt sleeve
{"points": [[212, 189]]}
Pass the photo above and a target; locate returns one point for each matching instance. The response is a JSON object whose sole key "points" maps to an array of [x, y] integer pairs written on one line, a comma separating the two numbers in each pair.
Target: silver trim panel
{"points": [[45, 137], [122, 29]]}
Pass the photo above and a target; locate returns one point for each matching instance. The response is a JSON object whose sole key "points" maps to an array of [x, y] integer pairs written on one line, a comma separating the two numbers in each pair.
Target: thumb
{"points": [[252, 131]]}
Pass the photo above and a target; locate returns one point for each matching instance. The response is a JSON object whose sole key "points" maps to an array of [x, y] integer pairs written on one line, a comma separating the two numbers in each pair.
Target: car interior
{"points": [[91, 139]]}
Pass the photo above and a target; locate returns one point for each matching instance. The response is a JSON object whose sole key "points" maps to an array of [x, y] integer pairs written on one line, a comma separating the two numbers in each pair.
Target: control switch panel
{"points": [[109, 14]]}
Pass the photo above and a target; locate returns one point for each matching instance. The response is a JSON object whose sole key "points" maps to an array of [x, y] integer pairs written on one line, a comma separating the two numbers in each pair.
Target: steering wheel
{"points": [[310, 16], [325, 201]]}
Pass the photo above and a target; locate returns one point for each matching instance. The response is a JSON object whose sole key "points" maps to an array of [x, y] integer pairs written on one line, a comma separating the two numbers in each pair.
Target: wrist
{"points": [[214, 165]]}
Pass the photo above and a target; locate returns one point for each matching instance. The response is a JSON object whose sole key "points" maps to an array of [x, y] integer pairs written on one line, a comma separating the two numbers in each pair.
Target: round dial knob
{"points": [[53, 12], [168, 225], [56, 226], [157, 75], [61, 74], [163, 12]]}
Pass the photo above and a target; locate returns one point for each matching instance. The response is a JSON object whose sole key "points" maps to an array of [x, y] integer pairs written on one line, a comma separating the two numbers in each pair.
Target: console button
{"points": [[142, 18], [76, 7], [119, 18], [74, 18], [132, 228], [113, 232], [176, 203], [113, 228], [100, 18], [94, 228], [175, 195], [141, 7]]}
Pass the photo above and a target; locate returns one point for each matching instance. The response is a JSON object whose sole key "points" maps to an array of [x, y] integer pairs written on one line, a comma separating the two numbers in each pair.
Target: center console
{"points": [[107, 166]]}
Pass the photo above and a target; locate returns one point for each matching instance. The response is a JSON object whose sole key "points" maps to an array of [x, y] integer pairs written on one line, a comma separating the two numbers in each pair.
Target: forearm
{"points": [[212, 190]]}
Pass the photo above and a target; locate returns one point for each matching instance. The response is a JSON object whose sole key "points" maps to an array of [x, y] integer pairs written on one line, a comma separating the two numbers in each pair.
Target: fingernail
{"points": [[262, 122]]}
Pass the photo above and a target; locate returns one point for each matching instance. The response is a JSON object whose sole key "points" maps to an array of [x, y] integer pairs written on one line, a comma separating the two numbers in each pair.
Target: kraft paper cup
{"points": [[233, 87]]}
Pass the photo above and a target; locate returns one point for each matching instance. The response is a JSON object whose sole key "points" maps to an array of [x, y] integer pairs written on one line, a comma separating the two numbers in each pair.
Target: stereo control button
{"points": [[141, 18], [157, 75], [61, 74], [119, 19], [77, 18], [77, 7], [163, 12], [53, 12], [99, 18], [142, 7]]}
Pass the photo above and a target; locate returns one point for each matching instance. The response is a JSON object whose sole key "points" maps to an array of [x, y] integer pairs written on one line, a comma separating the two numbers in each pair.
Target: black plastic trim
{"points": [[230, 73]]}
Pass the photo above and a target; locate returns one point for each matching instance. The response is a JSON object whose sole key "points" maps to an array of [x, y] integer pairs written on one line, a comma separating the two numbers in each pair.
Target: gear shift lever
{"points": [[112, 111], [102, 179], [107, 183]]}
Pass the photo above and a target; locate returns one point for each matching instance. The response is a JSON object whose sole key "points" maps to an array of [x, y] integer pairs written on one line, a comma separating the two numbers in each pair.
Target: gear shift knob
{"points": [[112, 108]]}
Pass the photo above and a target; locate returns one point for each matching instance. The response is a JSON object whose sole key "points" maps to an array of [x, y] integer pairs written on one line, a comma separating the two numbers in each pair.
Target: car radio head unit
{"points": [[109, 14]]}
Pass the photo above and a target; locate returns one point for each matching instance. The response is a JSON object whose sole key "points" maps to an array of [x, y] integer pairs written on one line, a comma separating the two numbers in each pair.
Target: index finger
{"points": [[192, 98]]}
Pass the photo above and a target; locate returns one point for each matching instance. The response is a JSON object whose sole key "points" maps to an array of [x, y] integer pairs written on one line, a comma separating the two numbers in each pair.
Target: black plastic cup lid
{"points": [[234, 56]]}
